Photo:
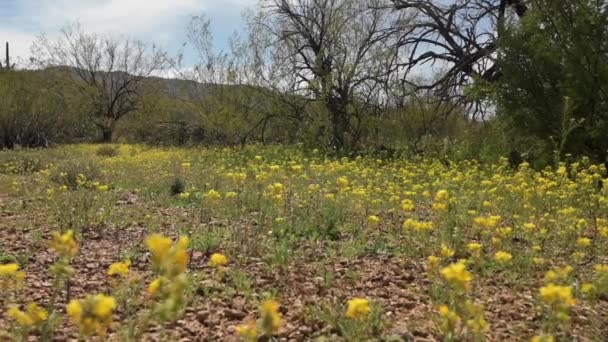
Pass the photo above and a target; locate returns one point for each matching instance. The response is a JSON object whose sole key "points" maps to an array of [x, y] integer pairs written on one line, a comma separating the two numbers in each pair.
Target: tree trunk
{"points": [[340, 122], [106, 134]]}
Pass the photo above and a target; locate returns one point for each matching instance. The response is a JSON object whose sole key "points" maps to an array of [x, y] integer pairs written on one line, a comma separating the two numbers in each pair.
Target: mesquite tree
{"points": [[458, 40], [111, 71], [340, 51]]}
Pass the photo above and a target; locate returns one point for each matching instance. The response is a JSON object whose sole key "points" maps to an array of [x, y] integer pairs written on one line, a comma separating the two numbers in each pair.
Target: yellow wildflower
{"points": [[103, 306], [64, 244], [474, 247], [213, 195], [22, 318], [446, 251], [502, 257], [555, 295], [601, 269], [583, 242], [407, 205], [558, 274], [450, 319], [543, 338], [119, 268], [154, 287], [587, 288], [457, 274], [342, 182], [373, 220], [248, 331], [442, 196], [102, 188], [74, 310], [218, 260], [8, 270], [357, 308], [270, 317], [159, 247], [92, 314]]}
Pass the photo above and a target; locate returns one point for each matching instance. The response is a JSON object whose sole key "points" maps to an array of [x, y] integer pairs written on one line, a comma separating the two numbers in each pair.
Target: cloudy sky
{"points": [[160, 21]]}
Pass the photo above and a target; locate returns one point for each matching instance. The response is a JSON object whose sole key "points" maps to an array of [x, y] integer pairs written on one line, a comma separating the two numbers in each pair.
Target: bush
{"points": [[75, 174], [20, 164], [178, 186], [108, 151]]}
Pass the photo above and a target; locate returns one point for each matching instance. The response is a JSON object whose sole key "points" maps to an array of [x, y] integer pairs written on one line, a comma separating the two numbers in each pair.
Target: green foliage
{"points": [[30, 112], [75, 173], [555, 69]]}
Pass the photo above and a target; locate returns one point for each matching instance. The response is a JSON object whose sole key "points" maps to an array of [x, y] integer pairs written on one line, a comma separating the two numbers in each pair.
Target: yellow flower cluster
{"points": [[64, 244], [170, 261], [441, 200], [503, 257], [417, 226], [270, 318], [119, 268], [373, 220], [457, 274], [449, 319], [32, 316], [358, 308], [487, 222], [10, 277], [218, 260], [557, 296], [92, 315]]}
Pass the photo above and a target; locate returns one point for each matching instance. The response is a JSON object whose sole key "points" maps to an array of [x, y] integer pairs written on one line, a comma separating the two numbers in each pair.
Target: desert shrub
{"points": [[177, 187], [108, 151], [21, 163], [75, 174]]}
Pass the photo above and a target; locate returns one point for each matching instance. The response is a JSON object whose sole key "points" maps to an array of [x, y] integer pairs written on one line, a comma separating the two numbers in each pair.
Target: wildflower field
{"points": [[129, 243]]}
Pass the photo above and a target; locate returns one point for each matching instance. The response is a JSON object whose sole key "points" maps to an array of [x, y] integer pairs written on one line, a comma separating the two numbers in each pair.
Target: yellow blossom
{"points": [[407, 205], [588, 288], [64, 244], [103, 306], [442, 196], [119, 268], [502, 257], [218, 260], [154, 287], [373, 220], [357, 308], [213, 195], [557, 295], [102, 188], [22, 318], [270, 317], [474, 247], [8, 270], [583, 242], [457, 274], [446, 251], [543, 338], [74, 310], [247, 331], [159, 246]]}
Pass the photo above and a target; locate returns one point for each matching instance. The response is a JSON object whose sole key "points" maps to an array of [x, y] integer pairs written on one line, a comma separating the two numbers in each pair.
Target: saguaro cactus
{"points": [[7, 60]]}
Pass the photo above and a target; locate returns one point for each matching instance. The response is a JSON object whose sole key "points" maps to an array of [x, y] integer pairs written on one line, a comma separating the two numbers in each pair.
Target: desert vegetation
{"points": [[384, 170]]}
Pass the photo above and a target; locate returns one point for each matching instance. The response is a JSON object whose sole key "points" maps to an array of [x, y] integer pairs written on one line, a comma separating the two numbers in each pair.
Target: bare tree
{"points": [[111, 70], [457, 36], [338, 52]]}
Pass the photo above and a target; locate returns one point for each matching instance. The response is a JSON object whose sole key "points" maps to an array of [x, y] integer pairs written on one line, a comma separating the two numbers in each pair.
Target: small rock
{"points": [[234, 314]]}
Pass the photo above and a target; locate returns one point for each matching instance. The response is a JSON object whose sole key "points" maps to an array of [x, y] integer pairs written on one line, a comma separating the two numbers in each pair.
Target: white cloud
{"points": [[161, 21]]}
